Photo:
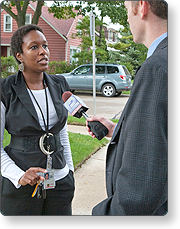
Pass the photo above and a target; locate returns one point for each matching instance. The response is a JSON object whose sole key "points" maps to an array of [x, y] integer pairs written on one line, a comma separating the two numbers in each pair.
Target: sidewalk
{"points": [[90, 187]]}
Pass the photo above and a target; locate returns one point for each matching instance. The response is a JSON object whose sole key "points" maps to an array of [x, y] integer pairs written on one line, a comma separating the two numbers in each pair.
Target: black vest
{"points": [[22, 120]]}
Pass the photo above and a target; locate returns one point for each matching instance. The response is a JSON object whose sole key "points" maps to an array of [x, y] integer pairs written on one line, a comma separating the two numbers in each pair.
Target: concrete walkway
{"points": [[90, 187]]}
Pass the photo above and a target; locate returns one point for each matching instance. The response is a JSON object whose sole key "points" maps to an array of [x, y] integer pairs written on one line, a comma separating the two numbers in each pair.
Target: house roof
{"points": [[61, 26]]}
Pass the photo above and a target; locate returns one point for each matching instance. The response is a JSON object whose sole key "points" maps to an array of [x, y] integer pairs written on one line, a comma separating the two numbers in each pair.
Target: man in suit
{"points": [[136, 164]]}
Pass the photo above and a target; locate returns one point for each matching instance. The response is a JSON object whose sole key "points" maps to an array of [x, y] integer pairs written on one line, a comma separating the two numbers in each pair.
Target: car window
{"points": [[125, 70], [100, 69], [83, 70], [112, 69]]}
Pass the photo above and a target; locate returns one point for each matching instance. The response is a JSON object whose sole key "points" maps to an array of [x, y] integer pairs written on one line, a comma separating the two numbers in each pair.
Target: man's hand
{"points": [[31, 177], [109, 124]]}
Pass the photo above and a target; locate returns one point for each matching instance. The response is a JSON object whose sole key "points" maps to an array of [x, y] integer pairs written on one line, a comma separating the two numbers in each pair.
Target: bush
{"points": [[8, 66], [60, 67]]}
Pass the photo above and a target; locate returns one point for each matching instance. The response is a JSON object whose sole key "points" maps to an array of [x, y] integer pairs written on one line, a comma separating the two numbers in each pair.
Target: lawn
{"points": [[81, 121], [82, 146]]}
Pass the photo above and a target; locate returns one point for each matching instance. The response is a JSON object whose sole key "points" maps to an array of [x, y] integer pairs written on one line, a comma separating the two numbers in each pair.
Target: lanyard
{"points": [[47, 107], [46, 137], [50, 182]]}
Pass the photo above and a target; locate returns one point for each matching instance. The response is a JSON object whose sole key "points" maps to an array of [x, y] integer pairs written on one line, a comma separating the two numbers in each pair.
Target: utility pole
{"points": [[92, 32]]}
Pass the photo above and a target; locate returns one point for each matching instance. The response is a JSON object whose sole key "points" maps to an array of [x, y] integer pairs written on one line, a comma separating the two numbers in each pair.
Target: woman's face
{"points": [[35, 56]]}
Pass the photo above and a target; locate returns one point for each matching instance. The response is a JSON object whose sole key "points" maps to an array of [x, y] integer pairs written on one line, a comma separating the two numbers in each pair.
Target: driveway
{"points": [[108, 107]]}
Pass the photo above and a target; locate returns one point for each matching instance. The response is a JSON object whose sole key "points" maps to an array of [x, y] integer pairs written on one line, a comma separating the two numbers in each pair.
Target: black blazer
{"points": [[136, 165], [22, 119]]}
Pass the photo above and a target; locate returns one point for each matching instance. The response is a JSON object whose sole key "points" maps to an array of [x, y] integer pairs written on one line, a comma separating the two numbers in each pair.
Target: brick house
{"points": [[57, 32]]}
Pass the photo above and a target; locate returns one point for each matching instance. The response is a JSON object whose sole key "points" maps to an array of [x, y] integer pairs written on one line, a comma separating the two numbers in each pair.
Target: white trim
{"points": [[54, 29], [71, 26], [30, 17], [72, 47], [66, 50], [50, 25], [5, 15], [8, 51], [6, 45]]}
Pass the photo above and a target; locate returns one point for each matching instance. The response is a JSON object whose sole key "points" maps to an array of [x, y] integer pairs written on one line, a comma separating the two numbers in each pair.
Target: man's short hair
{"points": [[159, 8]]}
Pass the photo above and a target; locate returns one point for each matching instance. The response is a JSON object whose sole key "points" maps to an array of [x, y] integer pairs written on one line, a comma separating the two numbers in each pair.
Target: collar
{"points": [[155, 43]]}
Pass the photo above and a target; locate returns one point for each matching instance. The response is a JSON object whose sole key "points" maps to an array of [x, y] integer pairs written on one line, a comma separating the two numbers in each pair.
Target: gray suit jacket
{"points": [[136, 165]]}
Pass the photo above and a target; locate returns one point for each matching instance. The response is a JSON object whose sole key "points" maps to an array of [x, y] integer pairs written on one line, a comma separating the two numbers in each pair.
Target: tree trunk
{"points": [[37, 13]]}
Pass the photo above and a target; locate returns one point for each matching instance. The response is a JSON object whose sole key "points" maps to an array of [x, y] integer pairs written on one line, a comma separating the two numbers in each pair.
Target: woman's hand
{"points": [[31, 177], [106, 122]]}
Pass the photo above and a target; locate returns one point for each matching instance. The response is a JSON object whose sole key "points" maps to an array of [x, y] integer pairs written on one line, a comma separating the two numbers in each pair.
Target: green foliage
{"points": [[60, 67], [130, 54], [8, 66], [62, 10], [81, 121], [6, 139], [76, 121], [83, 146], [85, 56]]}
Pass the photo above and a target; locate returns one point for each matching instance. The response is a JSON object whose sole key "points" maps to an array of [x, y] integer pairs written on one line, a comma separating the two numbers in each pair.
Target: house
{"points": [[57, 32], [112, 36]]}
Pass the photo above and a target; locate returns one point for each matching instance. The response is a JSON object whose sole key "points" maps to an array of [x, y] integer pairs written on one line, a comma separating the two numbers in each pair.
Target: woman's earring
{"points": [[21, 67]]}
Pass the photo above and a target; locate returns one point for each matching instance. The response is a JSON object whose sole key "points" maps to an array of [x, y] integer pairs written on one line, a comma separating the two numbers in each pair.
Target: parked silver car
{"points": [[111, 79]]}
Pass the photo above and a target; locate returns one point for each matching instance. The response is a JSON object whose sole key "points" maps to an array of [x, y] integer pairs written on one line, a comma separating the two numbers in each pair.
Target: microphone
{"points": [[78, 108]]}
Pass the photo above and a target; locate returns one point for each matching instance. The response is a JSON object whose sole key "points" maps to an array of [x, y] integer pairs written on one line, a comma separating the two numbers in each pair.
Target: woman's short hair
{"points": [[17, 38]]}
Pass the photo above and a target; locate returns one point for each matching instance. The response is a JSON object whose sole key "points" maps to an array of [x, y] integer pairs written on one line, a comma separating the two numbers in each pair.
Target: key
{"points": [[35, 190], [39, 191]]}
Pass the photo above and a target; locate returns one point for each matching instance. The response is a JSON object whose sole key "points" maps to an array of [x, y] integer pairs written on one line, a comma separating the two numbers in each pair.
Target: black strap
{"points": [[47, 107]]}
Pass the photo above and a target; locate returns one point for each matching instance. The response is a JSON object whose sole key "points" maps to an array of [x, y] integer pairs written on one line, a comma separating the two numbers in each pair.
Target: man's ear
{"points": [[144, 9], [19, 56]]}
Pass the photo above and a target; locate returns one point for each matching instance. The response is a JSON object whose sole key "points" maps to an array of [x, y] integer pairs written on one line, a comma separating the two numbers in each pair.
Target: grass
{"points": [[81, 121], [76, 121], [82, 146]]}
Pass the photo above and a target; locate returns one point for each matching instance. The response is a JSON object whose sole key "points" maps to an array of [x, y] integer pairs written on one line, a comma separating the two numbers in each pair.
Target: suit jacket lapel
{"points": [[23, 95], [55, 91]]}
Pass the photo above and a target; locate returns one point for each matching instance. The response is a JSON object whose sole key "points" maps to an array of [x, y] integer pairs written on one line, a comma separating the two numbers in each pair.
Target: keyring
{"points": [[41, 144]]}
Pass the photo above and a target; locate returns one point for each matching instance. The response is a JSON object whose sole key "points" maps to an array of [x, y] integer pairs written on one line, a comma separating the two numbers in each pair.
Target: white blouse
{"points": [[8, 167]]}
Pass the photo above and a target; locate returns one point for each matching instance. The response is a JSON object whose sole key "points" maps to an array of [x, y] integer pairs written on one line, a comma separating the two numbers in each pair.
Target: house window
{"points": [[28, 18], [7, 23], [9, 51], [110, 37], [73, 50], [115, 37]]}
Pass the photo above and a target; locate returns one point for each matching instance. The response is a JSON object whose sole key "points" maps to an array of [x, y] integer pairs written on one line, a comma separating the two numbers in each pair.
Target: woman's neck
{"points": [[35, 81]]}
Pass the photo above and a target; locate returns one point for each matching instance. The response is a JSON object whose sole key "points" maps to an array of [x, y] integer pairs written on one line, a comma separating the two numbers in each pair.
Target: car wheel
{"points": [[108, 90]]}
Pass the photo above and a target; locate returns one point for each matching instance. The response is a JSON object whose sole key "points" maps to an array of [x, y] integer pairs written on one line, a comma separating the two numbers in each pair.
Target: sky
{"points": [[107, 20]]}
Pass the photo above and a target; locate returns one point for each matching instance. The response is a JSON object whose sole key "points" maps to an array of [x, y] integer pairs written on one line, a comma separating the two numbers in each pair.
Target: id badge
{"points": [[49, 181]]}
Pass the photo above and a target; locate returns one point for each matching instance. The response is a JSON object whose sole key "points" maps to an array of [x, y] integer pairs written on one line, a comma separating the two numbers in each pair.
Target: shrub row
{"points": [[9, 66]]}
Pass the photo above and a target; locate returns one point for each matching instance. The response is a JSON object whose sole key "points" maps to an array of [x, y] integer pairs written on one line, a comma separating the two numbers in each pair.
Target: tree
{"points": [[21, 6], [115, 10], [85, 56], [130, 54]]}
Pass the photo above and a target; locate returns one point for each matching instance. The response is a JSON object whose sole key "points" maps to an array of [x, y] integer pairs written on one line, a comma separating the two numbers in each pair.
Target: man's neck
{"points": [[154, 30]]}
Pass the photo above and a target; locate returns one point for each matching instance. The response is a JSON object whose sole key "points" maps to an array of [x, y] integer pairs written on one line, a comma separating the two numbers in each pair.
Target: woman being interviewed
{"points": [[32, 112]]}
